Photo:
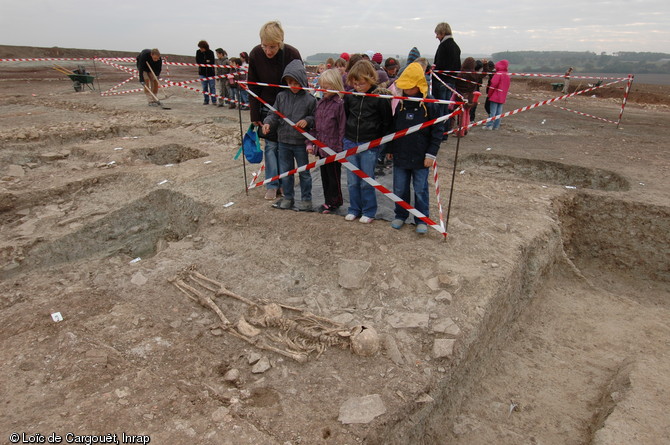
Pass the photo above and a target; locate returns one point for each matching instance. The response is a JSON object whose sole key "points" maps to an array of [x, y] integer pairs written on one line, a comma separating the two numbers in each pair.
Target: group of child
{"points": [[231, 70], [344, 122], [234, 69]]}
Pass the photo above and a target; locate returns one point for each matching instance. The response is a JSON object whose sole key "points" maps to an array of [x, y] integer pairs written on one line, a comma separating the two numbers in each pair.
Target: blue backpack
{"points": [[251, 146]]}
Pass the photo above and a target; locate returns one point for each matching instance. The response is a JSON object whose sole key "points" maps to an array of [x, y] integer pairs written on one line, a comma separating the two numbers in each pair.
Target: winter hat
{"points": [[370, 54], [391, 62], [377, 58], [413, 76], [344, 56], [413, 55]]}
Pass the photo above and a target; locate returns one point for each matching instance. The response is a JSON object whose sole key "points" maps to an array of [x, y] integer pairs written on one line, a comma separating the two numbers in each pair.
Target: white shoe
{"points": [[350, 217], [366, 219]]}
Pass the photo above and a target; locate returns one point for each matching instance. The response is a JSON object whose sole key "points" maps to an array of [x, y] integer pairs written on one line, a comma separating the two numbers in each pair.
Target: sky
{"points": [[389, 27]]}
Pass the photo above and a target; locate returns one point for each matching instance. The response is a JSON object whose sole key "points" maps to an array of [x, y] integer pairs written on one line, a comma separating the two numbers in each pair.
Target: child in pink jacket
{"points": [[499, 87]]}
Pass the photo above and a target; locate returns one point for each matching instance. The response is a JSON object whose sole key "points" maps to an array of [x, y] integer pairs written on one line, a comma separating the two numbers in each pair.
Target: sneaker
{"points": [[271, 194], [205, 103], [366, 219], [350, 217], [397, 223], [286, 204], [421, 228], [305, 206]]}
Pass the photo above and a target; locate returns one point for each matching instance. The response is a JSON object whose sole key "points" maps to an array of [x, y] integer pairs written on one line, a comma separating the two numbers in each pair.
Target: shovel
{"points": [[152, 93]]}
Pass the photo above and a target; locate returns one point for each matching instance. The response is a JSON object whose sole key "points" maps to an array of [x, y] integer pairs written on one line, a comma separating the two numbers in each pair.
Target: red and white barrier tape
{"points": [[438, 199], [625, 98], [224, 99], [584, 114], [530, 107], [557, 76], [255, 176], [355, 93], [434, 76], [47, 59]]}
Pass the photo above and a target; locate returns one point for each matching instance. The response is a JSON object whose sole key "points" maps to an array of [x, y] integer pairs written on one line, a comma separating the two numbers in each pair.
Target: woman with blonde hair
{"points": [[267, 62]]}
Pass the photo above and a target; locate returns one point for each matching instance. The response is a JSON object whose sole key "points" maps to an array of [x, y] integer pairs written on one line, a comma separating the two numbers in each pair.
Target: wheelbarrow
{"points": [[80, 77], [81, 80]]}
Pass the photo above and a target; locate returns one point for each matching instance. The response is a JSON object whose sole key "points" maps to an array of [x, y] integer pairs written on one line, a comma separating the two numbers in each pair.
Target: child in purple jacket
{"points": [[330, 120]]}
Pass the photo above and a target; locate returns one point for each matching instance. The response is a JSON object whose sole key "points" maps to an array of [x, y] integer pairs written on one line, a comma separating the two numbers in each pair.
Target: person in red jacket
{"points": [[499, 87]]}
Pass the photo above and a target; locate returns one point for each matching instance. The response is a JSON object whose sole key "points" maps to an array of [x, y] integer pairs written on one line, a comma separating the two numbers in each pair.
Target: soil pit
{"points": [[137, 230], [548, 172], [169, 154]]}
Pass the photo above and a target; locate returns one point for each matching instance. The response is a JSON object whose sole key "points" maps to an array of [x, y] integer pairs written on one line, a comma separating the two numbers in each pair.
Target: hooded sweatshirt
{"points": [[500, 83], [295, 106]]}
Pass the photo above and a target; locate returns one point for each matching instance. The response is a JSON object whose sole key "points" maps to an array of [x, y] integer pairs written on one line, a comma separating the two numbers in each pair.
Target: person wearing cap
{"points": [[414, 153], [391, 67]]}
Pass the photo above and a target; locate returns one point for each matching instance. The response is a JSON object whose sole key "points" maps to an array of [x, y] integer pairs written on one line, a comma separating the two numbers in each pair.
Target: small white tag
{"points": [[56, 316], [136, 260], [229, 204]]}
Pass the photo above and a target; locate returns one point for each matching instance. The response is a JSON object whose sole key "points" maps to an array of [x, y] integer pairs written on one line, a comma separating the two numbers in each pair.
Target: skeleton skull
{"points": [[364, 340]]}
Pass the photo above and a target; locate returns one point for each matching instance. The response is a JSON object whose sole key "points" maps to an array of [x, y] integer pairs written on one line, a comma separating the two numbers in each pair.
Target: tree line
{"points": [[586, 62]]}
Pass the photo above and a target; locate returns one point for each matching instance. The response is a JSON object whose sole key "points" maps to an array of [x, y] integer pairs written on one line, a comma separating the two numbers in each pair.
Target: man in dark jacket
{"points": [[148, 60], [205, 56], [447, 58]]}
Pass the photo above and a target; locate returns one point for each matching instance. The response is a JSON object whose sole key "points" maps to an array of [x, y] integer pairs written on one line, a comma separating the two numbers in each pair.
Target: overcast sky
{"points": [[390, 27]]}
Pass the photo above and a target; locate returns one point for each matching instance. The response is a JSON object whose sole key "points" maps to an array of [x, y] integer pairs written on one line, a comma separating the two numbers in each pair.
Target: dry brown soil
{"points": [[556, 299]]}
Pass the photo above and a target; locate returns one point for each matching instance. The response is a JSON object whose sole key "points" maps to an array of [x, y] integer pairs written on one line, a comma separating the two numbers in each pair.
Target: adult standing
{"points": [[266, 65], [205, 56], [148, 60], [447, 58], [566, 80]]}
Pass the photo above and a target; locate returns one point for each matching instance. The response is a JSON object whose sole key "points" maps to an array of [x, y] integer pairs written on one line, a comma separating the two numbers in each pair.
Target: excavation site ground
{"points": [[544, 318]]}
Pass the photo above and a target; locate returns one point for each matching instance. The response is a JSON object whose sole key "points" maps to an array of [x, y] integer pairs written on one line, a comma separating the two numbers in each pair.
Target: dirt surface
{"points": [[542, 319]]}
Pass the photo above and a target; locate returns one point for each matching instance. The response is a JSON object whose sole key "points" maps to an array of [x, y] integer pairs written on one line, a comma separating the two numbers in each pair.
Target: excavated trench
{"points": [[136, 230], [168, 154], [547, 172], [598, 231]]}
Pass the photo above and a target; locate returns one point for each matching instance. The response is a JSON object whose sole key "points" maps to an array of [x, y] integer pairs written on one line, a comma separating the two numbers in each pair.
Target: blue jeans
{"points": [[362, 198], [244, 97], [208, 86], [496, 110], [442, 92], [271, 155], [287, 154], [418, 178]]}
